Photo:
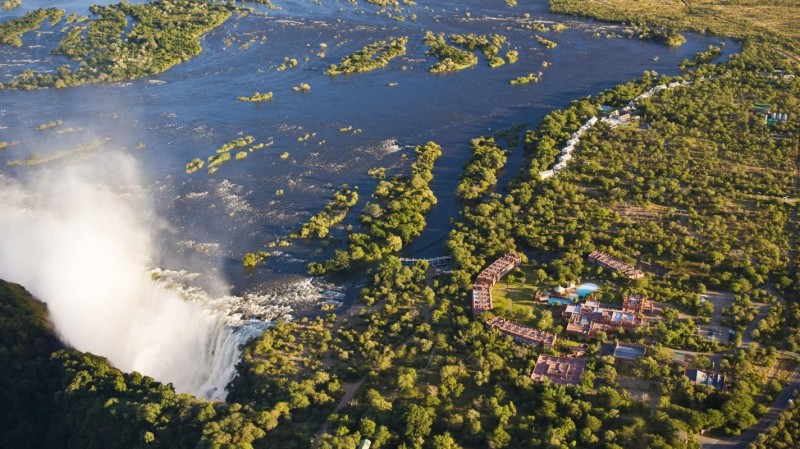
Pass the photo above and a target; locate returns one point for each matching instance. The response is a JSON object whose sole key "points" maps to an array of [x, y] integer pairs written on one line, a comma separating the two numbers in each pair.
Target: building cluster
{"points": [[621, 116], [657, 89], [628, 113], [566, 152], [568, 370], [696, 376], [778, 74], [482, 289], [591, 317], [770, 117], [558, 370], [612, 263], [775, 118], [615, 118], [521, 333], [482, 302]]}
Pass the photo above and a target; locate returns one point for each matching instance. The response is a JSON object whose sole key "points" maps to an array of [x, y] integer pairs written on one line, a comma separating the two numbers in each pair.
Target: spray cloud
{"points": [[80, 238]]}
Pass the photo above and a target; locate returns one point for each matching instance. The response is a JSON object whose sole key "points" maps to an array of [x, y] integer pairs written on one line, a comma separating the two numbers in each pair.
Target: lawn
{"points": [[516, 300]]}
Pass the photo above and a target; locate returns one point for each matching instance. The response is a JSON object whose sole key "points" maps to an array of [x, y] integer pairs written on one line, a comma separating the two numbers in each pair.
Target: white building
{"points": [[546, 174]]}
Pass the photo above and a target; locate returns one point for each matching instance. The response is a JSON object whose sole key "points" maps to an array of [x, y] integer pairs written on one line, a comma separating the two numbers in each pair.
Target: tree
{"points": [[406, 380], [445, 441], [416, 423], [607, 374], [702, 362], [377, 402], [499, 438]]}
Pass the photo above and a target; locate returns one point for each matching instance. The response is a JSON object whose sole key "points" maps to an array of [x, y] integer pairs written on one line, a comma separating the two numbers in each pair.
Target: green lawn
{"points": [[516, 300]]}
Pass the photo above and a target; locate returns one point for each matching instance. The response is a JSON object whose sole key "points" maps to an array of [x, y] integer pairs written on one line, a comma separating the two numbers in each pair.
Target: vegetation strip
{"points": [[163, 33], [451, 59], [394, 219], [319, 224], [372, 56]]}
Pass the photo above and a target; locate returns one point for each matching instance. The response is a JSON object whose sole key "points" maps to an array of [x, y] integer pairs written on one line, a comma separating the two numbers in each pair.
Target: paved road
{"points": [[779, 406], [768, 420], [787, 54]]}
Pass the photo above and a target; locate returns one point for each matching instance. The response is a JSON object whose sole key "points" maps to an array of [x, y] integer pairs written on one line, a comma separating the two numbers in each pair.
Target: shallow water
{"points": [[190, 111]]}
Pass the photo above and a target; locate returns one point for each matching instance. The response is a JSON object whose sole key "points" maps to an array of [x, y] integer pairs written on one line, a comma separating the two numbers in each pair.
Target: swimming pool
{"points": [[559, 301], [586, 288]]}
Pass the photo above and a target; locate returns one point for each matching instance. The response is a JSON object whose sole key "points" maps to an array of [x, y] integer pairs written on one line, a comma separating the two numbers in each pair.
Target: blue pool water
{"points": [[586, 288], [559, 301]]}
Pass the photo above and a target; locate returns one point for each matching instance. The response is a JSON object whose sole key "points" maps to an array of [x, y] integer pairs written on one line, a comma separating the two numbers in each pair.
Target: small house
{"points": [[713, 380]]}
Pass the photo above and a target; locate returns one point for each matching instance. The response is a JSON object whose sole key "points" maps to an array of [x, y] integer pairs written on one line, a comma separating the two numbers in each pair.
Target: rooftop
{"points": [[625, 351], [591, 317], [613, 263], [482, 289], [708, 379], [522, 333], [558, 370]]}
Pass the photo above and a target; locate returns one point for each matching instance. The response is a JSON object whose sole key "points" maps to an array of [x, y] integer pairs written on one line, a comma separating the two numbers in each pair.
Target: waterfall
{"points": [[80, 239]]}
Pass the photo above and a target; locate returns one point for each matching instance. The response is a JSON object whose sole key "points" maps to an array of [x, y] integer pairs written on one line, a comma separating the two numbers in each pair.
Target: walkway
{"points": [[351, 388], [436, 262]]}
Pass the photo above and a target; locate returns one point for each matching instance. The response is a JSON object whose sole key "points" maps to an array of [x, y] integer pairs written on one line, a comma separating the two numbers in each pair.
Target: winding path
{"points": [[351, 388]]}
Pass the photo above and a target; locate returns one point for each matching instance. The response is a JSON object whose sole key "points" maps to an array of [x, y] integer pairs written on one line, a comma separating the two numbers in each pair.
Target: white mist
{"points": [[81, 246]]}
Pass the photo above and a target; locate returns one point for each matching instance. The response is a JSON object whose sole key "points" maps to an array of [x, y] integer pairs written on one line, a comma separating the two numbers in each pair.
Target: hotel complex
{"points": [[591, 317], [482, 302], [584, 320]]}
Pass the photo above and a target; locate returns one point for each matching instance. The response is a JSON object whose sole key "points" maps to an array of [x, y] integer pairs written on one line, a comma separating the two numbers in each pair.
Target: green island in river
{"points": [[672, 199]]}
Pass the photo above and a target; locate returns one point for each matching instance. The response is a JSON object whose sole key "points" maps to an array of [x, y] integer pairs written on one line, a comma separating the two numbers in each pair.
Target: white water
{"points": [[80, 239]]}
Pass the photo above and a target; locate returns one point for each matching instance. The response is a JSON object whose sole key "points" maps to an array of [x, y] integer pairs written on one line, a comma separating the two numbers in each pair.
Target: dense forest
{"points": [[698, 189]]}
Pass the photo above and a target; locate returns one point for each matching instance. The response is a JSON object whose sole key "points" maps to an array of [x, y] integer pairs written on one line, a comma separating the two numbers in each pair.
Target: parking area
{"points": [[720, 300], [714, 330], [721, 334]]}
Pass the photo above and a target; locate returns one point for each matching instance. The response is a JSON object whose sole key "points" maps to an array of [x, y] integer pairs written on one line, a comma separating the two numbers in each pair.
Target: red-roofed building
{"points": [[612, 263], [558, 370], [521, 333], [482, 289]]}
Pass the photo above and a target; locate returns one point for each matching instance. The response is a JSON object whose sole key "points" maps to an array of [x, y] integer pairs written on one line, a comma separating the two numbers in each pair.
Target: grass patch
{"points": [[517, 301]]}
